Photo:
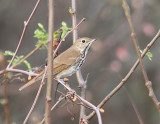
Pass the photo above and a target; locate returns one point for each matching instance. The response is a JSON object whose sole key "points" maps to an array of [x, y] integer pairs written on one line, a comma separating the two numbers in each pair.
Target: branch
{"points": [[18, 71], [134, 107], [50, 62], [6, 105], [29, 54], [80, 79], [74, 20], [36, 98], [147, 82], [90, 105], [73, 28], [24, 29], [53, 107], [115, 90]]}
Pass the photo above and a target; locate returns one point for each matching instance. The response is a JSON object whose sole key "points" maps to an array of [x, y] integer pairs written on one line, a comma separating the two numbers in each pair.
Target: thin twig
{"points": [[90, 105], [18, 71], [83, 86], [74, 20], [80, 79], [24, 29], [6, 101], [134, 107], [126, 77], [50, 62], [36, 98], [60, 100], [74, 28], [29, 54], [133, 35]]}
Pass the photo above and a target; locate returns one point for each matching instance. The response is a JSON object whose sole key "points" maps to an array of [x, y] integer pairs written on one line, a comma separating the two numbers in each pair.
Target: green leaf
{"points": [[8, 53], [56, 34], [70, 10], [65, 29], [41, 35], [41, 26], [2, 101], [9, 75], [17, 59], [64, 24], [28, 65], [148, 54], [14, 123]]}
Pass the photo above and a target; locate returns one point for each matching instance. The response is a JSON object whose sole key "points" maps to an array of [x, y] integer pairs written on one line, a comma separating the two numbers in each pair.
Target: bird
{"points": [[68, 62]]}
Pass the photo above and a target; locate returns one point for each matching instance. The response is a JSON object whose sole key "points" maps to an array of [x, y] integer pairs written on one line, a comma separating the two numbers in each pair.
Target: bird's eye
{"points": [[83, 41]]}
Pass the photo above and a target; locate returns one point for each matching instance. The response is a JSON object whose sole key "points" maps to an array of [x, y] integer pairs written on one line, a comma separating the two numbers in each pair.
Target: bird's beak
{"points": [[93, 40]]}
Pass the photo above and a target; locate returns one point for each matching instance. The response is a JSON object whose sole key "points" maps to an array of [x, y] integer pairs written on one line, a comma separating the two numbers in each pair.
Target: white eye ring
{"points": [[83, 41]]}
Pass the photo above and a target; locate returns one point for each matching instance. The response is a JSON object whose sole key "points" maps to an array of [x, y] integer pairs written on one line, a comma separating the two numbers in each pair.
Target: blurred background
{"points": [[109, 60]]}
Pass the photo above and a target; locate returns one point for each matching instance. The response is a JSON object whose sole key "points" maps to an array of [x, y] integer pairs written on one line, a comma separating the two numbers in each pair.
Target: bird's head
{"points": [[83, 43]]}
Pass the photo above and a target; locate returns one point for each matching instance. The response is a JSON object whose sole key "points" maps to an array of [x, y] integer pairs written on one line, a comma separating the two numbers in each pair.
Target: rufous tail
{"points": [[34, 80]]}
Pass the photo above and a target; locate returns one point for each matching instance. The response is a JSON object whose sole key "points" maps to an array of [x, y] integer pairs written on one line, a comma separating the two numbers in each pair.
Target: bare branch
{"points": [[18, 71], [36, 98], [134, 107], [29, 54], [90, 105], [24, 29], [6, 102], [78, 74], [115, 90], [60, 100], [74, 20], [133, 35], [50, 62]]}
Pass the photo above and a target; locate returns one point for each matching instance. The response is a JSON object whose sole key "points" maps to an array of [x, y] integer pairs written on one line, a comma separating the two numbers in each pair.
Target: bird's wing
{"points": [[66, 58], [63, 61]]}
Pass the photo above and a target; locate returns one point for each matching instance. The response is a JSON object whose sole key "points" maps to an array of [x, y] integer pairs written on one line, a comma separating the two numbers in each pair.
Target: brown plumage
{"points": [[68, 62]]}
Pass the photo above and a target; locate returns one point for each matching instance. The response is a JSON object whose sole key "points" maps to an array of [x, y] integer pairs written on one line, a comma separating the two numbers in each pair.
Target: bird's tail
{"points": [[34, 80]]}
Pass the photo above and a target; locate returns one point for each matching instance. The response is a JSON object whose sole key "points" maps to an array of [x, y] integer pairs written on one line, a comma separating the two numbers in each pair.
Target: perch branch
{"points": [[90, 105]]}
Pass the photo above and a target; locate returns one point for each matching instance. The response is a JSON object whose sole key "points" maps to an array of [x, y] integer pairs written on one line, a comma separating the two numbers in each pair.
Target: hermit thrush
{"points": [[68, 62]]}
